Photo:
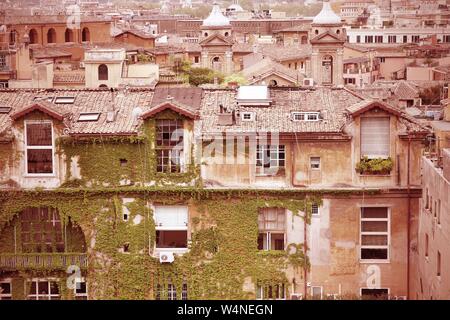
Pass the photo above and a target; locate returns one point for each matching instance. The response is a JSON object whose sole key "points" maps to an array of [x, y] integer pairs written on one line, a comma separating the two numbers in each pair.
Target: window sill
{"points": [[374, 261], [375, 175], [42, 175]]}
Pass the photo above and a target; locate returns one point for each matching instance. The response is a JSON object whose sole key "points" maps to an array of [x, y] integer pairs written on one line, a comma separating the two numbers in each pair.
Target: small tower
{"points": [[216, 42], [327, 39]]}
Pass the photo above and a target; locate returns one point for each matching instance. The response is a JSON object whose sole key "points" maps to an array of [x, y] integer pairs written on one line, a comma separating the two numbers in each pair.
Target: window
{"points": [[13, 36], [171, 227], [33, 36], [374, 233], [5, 290], [426, 245], [315, 209], [68, 35], [316, 293], [427, 199], [41, 289], [169, 145], [271, 292], [358, 39], [383, 60], [315, 163], [438, 264], [369, 39], [196, 59], [378, 39], [103, 72], [271, 227], [51, 36], [270, 160], [405, 39], [248, 116], [375, 137], [392, 39], [85, 35], [80, 290], [374, 294], [39, 147], [41, 230], [415, 39], [171, 293], [64, 100], [306, 116], [446, 38], [88, 117]]}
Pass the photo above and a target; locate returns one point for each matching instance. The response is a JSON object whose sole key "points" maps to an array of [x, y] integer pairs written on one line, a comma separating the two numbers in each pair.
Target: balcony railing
{"points": [[42, 260]]}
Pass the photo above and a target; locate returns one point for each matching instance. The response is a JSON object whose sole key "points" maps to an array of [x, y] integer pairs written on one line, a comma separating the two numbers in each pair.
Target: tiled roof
{"points": [[69, 77], [85, 101], [139, 33], [49, 52], [331, 103], [406, 91], [266, 67], [283, 53]]}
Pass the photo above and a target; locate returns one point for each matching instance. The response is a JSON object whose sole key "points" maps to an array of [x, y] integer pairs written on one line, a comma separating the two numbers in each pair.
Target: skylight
{"points": [[5, 110], [253, 96], [39, 98], [89, 116], [64, 100]]}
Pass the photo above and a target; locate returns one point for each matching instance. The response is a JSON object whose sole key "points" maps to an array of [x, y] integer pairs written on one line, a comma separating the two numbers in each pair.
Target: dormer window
{"points": [[305, 116], [39, 148], [248, 116]]}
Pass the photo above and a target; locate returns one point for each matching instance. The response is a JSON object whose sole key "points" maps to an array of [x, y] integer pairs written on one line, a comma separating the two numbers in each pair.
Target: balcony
{"points": [[11, 261]]}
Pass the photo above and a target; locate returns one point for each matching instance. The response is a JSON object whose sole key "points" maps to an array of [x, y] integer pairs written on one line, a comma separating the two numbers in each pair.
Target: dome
{"points": [[216, 18], [235, 8], [327, 15]]}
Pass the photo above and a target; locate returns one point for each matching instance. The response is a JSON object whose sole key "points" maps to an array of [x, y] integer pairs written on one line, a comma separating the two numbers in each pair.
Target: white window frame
{"points": [[311, 162], [8, 296], [37, 294], [64, 100], [321, 291], [362, 288], [184, 228], [305, 116], [26, 123], [251, 114], [378, 233], [318, 210], [80, 295], [260, 292], [375, 156], [268, 243], [261, 170]]}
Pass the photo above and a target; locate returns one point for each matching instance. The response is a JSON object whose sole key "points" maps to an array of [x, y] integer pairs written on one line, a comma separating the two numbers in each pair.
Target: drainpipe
{"points": [[305, 248], [409, 217]]}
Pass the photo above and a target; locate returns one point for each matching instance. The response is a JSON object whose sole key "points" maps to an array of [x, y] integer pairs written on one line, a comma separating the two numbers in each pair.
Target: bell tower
{"points": [[327, 40]]}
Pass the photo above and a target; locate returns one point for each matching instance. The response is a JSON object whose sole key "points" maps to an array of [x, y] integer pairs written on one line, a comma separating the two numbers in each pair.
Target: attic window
{"points": [[248, 116], [5, 110], [305, 116], [88, 117], [64, 100]]}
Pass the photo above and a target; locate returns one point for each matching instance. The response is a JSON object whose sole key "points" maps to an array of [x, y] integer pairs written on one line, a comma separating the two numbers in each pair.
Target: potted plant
{"points": [[376, 166]]}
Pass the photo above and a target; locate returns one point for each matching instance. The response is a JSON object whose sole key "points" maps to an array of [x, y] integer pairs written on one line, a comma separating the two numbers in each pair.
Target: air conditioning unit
{"points": [[308, 82], [296, 296], [397, 297], [166, 257]]}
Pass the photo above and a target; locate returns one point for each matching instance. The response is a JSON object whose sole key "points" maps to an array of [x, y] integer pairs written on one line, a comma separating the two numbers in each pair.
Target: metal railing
{"points": [[42, 260]]}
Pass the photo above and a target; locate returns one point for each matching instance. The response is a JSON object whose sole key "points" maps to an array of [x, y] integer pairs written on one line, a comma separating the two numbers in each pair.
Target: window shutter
{"points": [[375, 137], [171, 218]]}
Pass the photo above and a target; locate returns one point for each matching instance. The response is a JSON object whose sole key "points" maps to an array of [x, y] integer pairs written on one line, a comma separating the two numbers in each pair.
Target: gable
{"points": [[215, 40], [169, 106], [327, 37], [40, 107]]}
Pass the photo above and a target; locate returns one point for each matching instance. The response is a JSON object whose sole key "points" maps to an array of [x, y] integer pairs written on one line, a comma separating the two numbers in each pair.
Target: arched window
{"points": [[13, 36], [327, 69], [68, 35], [51, 36], [226, 34], [206, 34], [85, 35], [103, 72], [39, 230], [273, 83], [316, 32], [33, 36]]}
